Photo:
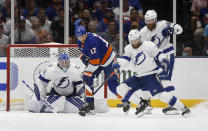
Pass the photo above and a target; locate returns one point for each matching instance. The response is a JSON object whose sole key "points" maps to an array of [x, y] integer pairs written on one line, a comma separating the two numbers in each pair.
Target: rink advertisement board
{"points": [[189, 77]]}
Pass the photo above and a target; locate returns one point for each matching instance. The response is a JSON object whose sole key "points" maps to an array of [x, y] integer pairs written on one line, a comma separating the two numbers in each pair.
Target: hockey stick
{"points": [[114, 72], [45, 102]]}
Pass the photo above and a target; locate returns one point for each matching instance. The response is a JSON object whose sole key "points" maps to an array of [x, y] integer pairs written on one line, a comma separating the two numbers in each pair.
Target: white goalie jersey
{"points": [[156, 34], [142, 58], [63, 82]]}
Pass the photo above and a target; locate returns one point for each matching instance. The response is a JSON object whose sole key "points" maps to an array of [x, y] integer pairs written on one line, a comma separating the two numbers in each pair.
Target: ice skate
{"points": [[170, 111], [186, 112], [144, 108], [126, 106], [87, 109]]}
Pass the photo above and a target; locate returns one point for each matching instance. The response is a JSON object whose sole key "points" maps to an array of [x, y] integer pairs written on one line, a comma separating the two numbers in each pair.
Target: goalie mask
{"points": [[63, 60]]}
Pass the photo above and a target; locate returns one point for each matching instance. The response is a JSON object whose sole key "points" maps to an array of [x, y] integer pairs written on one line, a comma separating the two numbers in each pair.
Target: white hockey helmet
{"points": [[150, 15], [134, 35]]}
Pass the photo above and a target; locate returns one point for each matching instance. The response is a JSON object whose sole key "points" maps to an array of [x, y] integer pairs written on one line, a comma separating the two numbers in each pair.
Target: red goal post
{"points": [[25, 61]]}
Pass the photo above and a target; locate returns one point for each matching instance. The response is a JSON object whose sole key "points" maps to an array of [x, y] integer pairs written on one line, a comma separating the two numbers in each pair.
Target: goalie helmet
{"points": [[63, 60], [150, 15]]}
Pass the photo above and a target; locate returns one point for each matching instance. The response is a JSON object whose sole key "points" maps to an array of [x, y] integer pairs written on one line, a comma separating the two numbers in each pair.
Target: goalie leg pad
{"points": [[54, 102], [34, 106], [76, 102]]}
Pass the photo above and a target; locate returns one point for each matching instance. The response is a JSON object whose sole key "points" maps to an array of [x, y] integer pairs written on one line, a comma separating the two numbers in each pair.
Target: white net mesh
{"points": [[27, 61]]}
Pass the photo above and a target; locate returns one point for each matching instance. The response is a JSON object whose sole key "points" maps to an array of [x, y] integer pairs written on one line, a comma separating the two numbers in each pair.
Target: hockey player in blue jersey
{"points": [[97, 55]]}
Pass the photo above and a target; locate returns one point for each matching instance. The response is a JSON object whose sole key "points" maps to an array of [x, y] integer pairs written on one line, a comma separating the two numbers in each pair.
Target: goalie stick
{"points": [[42, 99]]}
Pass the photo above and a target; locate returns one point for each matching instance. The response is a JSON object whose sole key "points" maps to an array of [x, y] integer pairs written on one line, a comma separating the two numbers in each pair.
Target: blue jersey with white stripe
{"points": [[97, 49]]}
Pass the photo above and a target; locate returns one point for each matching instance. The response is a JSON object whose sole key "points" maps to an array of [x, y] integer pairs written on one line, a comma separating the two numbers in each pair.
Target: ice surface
{"points": [[114, 120]]}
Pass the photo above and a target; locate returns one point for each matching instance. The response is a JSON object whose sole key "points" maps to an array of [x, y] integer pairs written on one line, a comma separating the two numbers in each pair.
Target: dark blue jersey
{"points": [[96, 48]]}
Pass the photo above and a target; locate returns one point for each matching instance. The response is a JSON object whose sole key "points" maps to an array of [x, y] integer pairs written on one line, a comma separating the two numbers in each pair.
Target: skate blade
{"points": [[149, 110], [187, 115], [172, 113], [127, 112], [91, 112], [146, 111]]}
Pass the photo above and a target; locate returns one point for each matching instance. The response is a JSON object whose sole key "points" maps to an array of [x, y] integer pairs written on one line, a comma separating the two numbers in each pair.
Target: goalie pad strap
{"points": [[76, 101]]}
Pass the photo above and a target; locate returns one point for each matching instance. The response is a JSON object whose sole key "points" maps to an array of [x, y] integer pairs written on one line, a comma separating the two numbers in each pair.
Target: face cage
{"points": [[64, 63]]}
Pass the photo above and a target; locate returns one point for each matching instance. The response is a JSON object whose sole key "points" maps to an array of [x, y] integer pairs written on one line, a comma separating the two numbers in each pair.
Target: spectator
{"points": [[80, 6], [110, 33], [85, 15], [197, 5], [44, 22], [96, 5], [92, 27], [70, 40], [2, 3], [51, 11], [8, 23], [205, 49], [197, 35], [57, 27], [126, 11], [133, 22], [4, 41], [6, 11], [27, 34], [30, 9], [134, 3], [187, 51], [203, 16], [115, 44], [103, 24], [100, 12], [39, 33], [49, 38]]}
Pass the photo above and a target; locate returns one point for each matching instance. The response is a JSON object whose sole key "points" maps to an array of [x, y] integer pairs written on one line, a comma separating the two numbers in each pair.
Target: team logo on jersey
{"points": [[62, 82], [139, 58], [156, 40]]}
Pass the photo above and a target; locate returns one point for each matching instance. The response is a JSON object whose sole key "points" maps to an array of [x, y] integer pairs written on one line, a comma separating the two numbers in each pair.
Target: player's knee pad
{"points": [[164, 97], [167, 98], [123, 89]]}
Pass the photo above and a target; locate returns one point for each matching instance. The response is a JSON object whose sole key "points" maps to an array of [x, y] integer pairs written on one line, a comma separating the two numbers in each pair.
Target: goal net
{"points": [[25, 62]]}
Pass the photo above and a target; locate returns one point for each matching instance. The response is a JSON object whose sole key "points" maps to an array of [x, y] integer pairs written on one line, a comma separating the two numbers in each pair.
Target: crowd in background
{"points": [[42, 21]]}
